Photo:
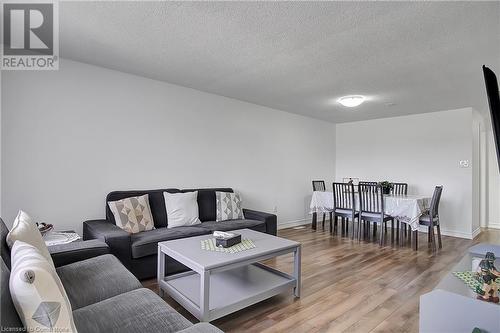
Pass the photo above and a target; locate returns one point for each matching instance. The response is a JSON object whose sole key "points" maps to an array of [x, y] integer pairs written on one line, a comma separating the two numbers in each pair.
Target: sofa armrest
{"points": [[117, 239], [65, 254], [270, 220], [201, 328]]}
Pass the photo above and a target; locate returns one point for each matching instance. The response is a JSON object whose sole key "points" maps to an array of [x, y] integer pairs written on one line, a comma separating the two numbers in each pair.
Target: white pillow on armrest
{"points": [[182, 209], [25, 230], [37, 292]]}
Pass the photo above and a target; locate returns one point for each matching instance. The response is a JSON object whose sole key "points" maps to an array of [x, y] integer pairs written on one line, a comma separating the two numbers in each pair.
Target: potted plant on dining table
{"points": [[386, 187]]}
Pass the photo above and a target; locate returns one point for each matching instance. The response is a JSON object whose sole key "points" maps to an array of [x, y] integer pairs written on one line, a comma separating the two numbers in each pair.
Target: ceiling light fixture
{"points": [[351, 100]]}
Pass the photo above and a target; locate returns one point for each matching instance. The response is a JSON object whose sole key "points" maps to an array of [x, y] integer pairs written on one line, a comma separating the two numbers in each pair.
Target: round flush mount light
{"points": [[351, 101]]}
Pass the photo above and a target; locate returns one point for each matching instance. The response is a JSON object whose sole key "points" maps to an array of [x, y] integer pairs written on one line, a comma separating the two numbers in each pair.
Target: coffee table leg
{"points": [[296, 271], [161, 270], [204, 296]]}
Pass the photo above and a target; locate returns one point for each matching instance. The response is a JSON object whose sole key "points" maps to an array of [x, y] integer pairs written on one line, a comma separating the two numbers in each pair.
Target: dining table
{"points": [[405, 208]]}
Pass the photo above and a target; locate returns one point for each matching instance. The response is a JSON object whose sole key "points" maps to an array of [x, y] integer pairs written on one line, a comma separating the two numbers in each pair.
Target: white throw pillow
{"points": [[37, 292], [228, 206], [24, 229], [133, 214], [182, 209]]}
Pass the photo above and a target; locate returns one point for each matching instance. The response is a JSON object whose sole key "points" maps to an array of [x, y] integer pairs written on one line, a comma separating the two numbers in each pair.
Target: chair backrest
{"points": [[371, 199], [399, 189], [366, 183], [362, 182], [436, 198], [319, 185], [343, 196]]}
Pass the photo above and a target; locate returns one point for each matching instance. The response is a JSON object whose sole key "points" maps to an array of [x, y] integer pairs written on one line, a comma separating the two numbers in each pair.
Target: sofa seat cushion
{"points": [[146, 243], [234, 224], [140, 310], [93, 280]]}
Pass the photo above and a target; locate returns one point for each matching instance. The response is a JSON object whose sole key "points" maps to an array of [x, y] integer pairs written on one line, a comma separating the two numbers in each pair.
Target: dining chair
{"points": [[363, 182], [367, 183], [344, 206], [399, 189], [371, 208], [431, 219], [319, 185]]}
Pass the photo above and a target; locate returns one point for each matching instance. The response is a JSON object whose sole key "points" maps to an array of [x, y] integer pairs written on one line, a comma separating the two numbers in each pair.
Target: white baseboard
{"points": [[476, 232], [294, 223], [454, 233], [493, 225], [451, 233]]}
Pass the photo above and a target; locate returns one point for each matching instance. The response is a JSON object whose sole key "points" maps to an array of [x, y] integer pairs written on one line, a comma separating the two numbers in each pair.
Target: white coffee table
{"points": [[222, 283]]}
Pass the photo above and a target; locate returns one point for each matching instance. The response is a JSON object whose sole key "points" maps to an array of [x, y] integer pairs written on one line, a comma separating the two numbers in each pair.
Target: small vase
{"points": [[386, 190]]}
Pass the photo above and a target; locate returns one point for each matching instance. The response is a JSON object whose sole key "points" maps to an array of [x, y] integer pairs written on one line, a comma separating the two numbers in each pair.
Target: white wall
{"points": [[423, 150], [71, 136]]}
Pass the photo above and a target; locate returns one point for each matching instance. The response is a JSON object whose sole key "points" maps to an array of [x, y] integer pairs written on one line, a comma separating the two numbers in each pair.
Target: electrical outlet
{"points": [[464, 163]]}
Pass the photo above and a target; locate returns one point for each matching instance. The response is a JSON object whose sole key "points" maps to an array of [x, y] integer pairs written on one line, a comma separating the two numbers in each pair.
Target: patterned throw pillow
{"points": [[133, 214], [37, 292], [228, 206], [24, 229]]}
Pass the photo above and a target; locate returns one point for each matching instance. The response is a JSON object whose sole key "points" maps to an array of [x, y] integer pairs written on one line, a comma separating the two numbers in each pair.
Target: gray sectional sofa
{"points": [[138, 252], [104, 295]]}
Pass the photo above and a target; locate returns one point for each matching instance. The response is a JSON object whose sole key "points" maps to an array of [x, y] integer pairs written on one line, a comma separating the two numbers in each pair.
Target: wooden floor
{"points": [[348, 286]]}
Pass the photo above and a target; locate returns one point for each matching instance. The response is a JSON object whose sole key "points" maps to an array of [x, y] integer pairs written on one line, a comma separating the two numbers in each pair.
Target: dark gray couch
{"points": [[138, 252], [104, 295]]}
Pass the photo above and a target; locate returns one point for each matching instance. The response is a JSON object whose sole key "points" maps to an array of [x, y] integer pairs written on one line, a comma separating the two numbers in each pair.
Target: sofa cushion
{"points": [[182, 209], [8, 314], [234, 224], [206, 202], [133, 214], [228, 206], [37, 292], [156, 204], [146, 243], [140, 310], [25, 229], [4, 249], [92, 280]]}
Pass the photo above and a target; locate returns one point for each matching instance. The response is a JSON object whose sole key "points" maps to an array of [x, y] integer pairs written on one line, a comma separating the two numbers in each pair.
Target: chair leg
{"points": [[392, 232], [415, 240], [353, 228], [433, 239], [331, 222], [382, 234], [397, 232], [314, 221], [439, 236], [375, 231], [323, 223]]}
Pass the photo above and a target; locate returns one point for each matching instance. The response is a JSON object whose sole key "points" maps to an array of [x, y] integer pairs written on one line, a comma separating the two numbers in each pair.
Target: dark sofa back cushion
{"points": [[156, 202], [206, 202], [4, 247], [9, 319]]}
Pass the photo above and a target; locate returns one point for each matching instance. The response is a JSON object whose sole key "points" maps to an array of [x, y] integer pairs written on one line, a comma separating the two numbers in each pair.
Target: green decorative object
{"points": [[386, 187], [210, 245], [488, 277], [485, 282]]}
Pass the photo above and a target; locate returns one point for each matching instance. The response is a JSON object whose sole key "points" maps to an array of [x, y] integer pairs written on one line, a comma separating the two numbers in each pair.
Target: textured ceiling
{"points": [[407, 57]]}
